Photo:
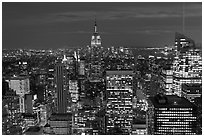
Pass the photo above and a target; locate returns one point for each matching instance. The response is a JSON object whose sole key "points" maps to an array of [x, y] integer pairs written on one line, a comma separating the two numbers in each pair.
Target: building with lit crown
{"points": [[187, 65], [96, 38]]}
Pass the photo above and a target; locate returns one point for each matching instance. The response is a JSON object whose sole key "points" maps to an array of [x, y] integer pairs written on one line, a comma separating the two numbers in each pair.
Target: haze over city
{"points": [[65, 25]]}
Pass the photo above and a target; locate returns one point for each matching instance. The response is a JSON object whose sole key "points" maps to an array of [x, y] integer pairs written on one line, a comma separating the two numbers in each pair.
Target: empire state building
{"points": [[95, 39]]}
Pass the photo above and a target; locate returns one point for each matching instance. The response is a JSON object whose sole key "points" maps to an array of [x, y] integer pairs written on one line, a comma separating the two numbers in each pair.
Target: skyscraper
{"points": [[183, 43], [119, 89], [21, 85], [187, 65], [95, 56], [167, 79], [61, 88], [95, 39], [171, 115]]}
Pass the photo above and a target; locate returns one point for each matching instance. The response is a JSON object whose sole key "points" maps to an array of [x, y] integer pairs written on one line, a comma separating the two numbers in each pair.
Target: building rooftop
{"points": [[192, 88], [61, 116], [170, 101], [29, 115], [119, 72], [16, 78], [192, 85]]}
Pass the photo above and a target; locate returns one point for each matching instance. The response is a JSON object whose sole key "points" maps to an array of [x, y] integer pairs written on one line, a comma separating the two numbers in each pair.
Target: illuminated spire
{"points": [[95, 27]]}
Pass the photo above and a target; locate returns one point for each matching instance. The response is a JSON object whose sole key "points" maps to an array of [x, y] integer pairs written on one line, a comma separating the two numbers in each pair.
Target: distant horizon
{"points": [[57, 25]]}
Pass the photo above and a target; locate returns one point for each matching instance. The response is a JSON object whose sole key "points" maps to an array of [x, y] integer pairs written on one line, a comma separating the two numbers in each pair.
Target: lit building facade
{"points": [[167, 80], [30, 120], [96, 38], [82, 67], [182, 42], [187, 65], [21, 85], [171, 115], [95, 65], [191, 91], [119, 88], [74, 90], [12, 121]]}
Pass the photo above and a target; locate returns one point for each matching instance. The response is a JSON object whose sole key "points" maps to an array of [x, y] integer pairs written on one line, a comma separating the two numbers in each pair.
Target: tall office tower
{"points": [[119, 90], [61, 87], [70, 65], [11, 115], [167, 79], [171, 115], [82, 67], [21, 86], [96, 38], [73, 90], [95, 56], [193, 92], [187, 65], [183, 43]]}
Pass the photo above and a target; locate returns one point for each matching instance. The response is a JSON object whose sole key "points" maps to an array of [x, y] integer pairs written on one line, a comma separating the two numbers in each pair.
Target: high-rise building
{"points": [[11, 116], [187, 65], [95, 66], [61, 124], [119, 90], [183, 43], [95, 39], [191, 91], [167, 79], [73, 90], [82, 67], [29, 103], [171, 115], [61, 88], [21, 86]]}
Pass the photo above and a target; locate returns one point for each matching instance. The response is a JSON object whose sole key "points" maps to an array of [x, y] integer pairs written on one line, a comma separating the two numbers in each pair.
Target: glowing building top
{"points": [[95, 39]]}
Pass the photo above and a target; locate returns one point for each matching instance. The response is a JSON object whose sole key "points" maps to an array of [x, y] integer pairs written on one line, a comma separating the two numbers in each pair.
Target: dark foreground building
{"points": [[171, 115]]}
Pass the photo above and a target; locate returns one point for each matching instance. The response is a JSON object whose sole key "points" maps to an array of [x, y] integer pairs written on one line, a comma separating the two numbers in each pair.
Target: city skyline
{"points": [[66, 25], [103, 85]]}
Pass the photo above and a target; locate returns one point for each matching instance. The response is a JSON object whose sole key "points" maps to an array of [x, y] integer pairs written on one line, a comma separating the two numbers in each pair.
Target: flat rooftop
{"points": [[170, 101], [119, 72], [17, 78], [61, 116]]}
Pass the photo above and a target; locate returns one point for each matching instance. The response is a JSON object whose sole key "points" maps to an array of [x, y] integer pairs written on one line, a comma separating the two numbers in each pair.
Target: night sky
{"points": [[65, 25]]}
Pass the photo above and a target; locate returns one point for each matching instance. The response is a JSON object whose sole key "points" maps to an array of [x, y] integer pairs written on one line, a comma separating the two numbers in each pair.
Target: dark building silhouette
{"points": [[61, 88], [171, 115]]}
